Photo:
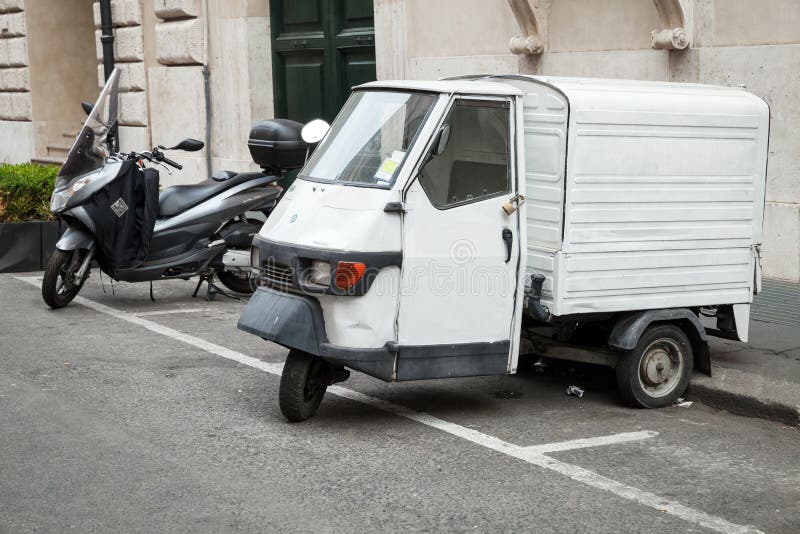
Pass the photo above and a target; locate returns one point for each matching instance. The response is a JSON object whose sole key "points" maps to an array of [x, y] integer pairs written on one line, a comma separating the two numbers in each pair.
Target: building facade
{"points": [[210, 68]]}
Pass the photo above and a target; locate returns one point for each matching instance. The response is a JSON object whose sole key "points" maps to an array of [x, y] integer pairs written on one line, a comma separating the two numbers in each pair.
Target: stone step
{"points": [[48, 160], [57, 150]]}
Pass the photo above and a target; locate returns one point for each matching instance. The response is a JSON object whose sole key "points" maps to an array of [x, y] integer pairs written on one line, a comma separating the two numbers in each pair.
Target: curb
{"points": [[747, 394]]}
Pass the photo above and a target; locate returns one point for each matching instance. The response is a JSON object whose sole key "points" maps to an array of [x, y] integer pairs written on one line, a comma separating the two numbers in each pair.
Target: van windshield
{"points": [[369, 138]]}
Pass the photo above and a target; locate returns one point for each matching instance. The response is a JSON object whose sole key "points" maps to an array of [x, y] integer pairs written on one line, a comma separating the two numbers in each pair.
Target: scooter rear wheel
{"points": [[237, 283], [304, 381], [58, 290]]}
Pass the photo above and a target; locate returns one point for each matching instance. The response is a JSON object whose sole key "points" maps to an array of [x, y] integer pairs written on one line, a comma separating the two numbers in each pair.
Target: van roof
{"points": [[474, 87], [593, 92]]}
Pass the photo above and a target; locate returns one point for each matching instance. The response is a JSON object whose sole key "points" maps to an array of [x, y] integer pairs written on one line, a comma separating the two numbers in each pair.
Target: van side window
{"points": [[473, 158]]}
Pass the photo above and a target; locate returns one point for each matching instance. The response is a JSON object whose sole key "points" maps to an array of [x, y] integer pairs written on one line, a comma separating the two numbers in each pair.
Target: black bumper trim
{"points": [[298, 259]]}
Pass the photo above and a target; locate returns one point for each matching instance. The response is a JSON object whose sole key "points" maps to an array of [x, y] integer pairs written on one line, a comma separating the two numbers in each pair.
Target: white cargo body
{"points": [[603, 221], [643, 195]]}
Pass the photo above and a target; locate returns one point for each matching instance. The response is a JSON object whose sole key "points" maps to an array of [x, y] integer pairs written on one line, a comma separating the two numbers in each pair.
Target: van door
{"points": [[461, 251]]}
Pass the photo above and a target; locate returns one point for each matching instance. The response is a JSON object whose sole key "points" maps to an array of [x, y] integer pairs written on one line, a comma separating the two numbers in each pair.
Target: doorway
{"points": [[63, 70], [320, 49]]}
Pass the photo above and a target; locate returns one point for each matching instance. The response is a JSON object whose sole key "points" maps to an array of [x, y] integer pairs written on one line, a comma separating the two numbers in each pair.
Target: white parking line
{"points": [[170, 312], [590, 442], [533, 455]]}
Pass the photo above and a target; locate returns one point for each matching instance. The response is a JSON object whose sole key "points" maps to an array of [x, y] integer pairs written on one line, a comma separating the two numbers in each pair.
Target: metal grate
{"points": [[277, 273], [778, 302]]}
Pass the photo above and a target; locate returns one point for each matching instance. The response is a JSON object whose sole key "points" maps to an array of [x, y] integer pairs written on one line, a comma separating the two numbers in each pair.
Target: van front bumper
{"points": [[296, 322]]}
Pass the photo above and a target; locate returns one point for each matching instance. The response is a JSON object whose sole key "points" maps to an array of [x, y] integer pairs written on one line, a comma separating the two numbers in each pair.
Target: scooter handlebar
{"points": [[172, 163]]}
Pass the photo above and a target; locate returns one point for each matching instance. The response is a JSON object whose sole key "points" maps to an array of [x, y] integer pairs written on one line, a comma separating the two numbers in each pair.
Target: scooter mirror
{"points": [[314, 131], [87, 107], [189, 145]]}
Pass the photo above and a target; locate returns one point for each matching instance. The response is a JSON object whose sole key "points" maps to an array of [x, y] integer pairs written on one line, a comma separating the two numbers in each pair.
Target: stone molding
{"points": [[14, 52], [673, 34], [123, 13], [12, 25], [530, 42], [15, 78], [11, 6], [128, 44], [177, 9], [180, 42]]}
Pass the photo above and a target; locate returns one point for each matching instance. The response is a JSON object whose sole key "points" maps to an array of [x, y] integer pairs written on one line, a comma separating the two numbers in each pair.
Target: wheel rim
{"points": [[314, 387], [661, 367], [63, 285]]}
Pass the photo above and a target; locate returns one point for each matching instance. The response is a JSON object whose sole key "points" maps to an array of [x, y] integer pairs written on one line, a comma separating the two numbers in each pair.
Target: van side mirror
{"points": [[442, 138], [439, 145], [87, 108], [188, 145]]}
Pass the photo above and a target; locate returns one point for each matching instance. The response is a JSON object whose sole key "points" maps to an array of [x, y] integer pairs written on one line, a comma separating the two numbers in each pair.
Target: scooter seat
{"points": [[179, 198]]}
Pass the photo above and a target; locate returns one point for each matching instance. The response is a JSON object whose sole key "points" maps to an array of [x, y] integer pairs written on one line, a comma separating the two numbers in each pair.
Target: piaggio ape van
{"points": [[441, 228]]}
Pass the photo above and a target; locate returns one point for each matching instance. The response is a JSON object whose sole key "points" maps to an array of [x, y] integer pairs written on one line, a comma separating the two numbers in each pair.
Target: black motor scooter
{"points": [[118, 218]]}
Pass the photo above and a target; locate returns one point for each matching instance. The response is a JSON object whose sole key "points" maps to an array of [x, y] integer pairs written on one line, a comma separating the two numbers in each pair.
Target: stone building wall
{"points": [[192, 69], [203, 69], [16, 126], [729, 42]]}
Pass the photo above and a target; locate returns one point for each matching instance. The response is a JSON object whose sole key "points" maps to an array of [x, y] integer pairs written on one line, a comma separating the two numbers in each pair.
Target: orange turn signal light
{"points": [[348, 273]]}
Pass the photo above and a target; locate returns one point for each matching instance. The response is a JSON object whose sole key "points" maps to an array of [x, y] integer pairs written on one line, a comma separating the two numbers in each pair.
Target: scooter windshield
{"points": [[369, 138], [88, 152]]}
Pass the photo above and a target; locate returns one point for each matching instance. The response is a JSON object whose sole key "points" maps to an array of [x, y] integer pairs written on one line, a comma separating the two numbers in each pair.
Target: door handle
{"points": [[508, 239]]}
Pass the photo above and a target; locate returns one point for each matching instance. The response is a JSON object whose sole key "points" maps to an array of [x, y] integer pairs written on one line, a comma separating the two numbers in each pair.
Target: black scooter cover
{"points": [[124, 213]]}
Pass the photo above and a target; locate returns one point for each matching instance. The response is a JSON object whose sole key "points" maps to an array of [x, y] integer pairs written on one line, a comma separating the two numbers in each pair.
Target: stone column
{"points": [[16, 128], [391, 46], [126, 15], [177, 90]]}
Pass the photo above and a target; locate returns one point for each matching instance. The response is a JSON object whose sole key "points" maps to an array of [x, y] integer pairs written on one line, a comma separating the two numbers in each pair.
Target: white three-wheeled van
{"points": [[440, 226]]}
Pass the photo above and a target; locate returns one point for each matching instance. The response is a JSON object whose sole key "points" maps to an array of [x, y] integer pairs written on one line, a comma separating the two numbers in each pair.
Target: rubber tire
{"points": [[236, 284], [628, 368], [292, 399], [50, 280]]}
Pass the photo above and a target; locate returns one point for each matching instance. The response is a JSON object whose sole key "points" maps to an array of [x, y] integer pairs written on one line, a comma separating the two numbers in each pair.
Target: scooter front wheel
{"points": [[58, 287], [304, 381]]}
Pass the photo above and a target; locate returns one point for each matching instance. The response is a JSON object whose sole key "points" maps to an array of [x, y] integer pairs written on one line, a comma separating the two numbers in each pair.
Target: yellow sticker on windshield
{"points": [[389, 165]]}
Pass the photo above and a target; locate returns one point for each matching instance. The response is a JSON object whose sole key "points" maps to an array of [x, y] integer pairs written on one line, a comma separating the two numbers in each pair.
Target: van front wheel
{"points": [[303, 383], [657, 371]]}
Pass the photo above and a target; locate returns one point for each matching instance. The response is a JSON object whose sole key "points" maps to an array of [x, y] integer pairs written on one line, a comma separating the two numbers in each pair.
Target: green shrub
{"points": [[25, 191]]}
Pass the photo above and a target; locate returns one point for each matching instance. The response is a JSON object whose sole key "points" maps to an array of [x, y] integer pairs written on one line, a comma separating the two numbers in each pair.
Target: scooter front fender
{"points": [[76, 237]]}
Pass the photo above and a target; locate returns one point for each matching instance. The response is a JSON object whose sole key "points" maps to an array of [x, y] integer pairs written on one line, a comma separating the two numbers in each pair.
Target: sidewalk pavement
{"points": [[760, 378]]}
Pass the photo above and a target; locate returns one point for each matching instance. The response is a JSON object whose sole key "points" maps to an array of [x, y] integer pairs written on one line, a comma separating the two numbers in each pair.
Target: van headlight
{"points": [[320, 273]]}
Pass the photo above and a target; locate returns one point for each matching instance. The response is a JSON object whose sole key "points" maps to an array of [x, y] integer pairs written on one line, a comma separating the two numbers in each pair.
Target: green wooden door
{"points": [[320, 49]]}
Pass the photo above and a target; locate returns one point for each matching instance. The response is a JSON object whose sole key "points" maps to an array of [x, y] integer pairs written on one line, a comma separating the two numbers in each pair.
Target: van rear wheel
{"points": [[657, 371], [304, 381]]}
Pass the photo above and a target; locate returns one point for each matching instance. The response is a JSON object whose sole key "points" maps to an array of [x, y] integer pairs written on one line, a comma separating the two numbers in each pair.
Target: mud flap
{"points": [[294, 321]]}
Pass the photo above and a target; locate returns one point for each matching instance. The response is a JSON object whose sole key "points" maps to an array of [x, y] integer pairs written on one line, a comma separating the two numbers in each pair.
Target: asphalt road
{"points": [[118, 414]]}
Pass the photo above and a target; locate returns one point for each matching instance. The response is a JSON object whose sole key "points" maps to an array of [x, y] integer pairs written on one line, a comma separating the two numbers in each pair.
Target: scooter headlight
{"points": [[60, 198], [78, 185]]}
